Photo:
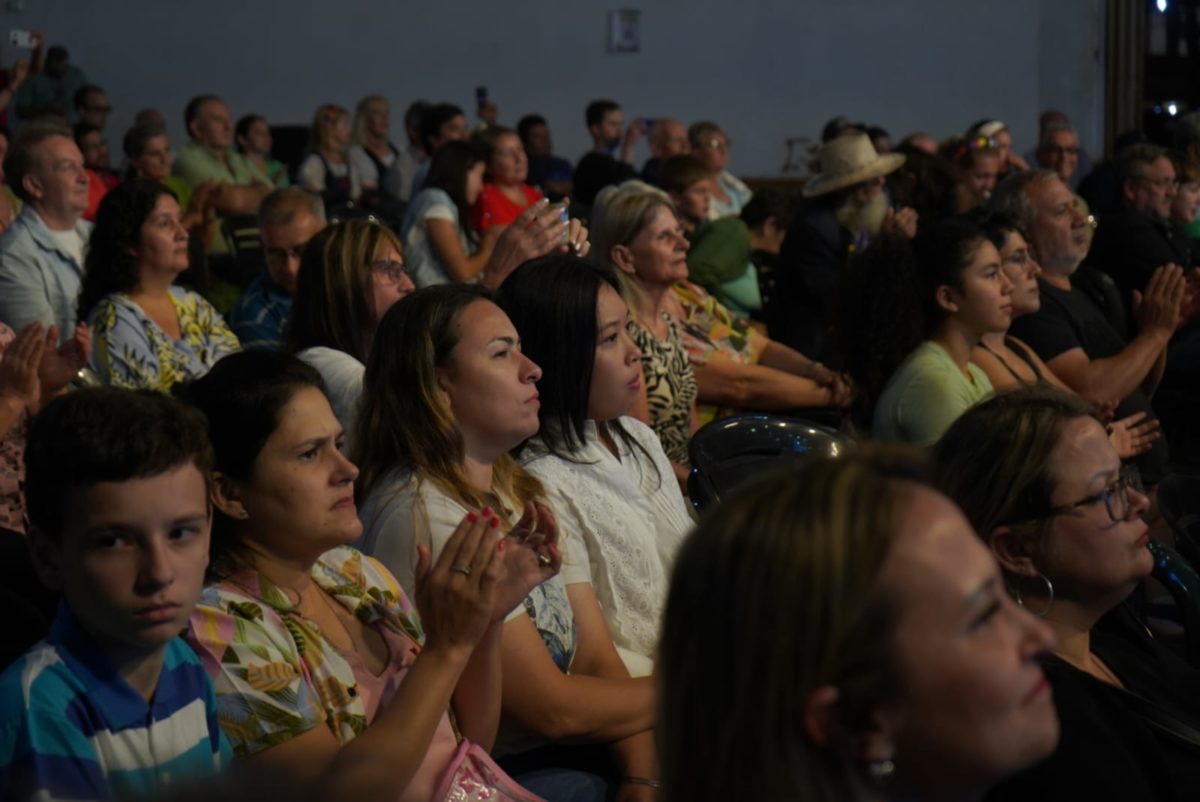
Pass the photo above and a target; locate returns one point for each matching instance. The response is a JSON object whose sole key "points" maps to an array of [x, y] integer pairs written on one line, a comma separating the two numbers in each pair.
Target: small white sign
{"points": [[623, 34]]}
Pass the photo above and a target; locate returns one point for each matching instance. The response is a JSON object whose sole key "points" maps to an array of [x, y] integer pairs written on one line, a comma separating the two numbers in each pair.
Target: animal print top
{"points": [[670, 387]]}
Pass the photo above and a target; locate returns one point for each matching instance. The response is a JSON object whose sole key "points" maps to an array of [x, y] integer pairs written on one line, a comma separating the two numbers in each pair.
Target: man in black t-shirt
{"points": [[1070, 331], [598, 168]]}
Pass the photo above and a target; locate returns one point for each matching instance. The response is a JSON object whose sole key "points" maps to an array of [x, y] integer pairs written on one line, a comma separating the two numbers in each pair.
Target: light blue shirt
{"points": [[429, 204], [38, 279]]}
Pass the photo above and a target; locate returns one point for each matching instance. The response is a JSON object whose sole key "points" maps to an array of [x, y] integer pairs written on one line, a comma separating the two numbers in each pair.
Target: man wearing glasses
{"points": [[287, 220], [1058, 150], [1131, 243]]}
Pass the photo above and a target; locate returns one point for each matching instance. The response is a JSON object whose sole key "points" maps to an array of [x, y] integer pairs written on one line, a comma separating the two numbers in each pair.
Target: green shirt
{"points": [[925, 395], [197, 164]]}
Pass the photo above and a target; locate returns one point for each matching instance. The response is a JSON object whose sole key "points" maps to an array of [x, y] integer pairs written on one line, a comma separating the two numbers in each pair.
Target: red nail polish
{"points": [[487, 512], [501, 545], [472, 517], [495, 523]]}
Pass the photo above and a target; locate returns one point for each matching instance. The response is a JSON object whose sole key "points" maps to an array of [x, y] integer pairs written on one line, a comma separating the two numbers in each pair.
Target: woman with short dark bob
{"points": [[841, 634], [448, 394], [605, 473], [322, 669], [147, 333], [1038, 478]]}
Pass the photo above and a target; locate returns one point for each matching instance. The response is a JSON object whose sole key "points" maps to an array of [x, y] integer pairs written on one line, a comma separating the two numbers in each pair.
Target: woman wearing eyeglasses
{"points": [[350, 274], [711, 146], [1009, 362], [1038, 479]]}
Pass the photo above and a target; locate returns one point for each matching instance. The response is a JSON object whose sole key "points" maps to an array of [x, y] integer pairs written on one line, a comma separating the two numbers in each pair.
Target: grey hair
{"points": [[1011, 198], [1054, 128], [279, 208], [1133, 160]]}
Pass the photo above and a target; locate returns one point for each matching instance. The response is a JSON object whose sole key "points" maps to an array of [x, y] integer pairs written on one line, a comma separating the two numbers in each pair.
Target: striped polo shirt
{"points": [[72, 728]]}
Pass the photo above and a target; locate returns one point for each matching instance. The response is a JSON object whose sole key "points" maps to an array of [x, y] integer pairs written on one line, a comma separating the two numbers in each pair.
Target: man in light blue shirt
{"points": [[42, 252]]}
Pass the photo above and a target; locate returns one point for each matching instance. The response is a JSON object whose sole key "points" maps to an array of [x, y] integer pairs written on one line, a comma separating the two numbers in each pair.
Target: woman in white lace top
{"points": [[608, 479]]}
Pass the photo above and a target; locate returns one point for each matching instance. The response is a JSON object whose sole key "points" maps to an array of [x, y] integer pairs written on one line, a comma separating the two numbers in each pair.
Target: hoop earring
{"points": [[1049, 596]]}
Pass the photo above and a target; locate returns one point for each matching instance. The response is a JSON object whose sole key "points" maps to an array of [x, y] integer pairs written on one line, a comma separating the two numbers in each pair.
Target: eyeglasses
{"points": [[281, 255], [717, 144], [392, 269], [1115, 498], [1070, 150]]}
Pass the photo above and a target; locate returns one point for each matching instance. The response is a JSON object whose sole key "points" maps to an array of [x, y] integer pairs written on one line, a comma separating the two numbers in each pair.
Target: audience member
{"points": [[667, 138], [400, 177], [327, 169], [1040, 482], [93, 148], [252, 137], [371, 152], [846, 207], [440, 123], [549, 173], [350, 274], [41, 253], [287, 219], [148, 333], [881, 140], [711, 146], [91, 106], [605, 473], [148, 151], [33, 369], [910, 317], [11, 81], [150, 116], [1070, 331], [10, 204], [51, 92], [113, 704], [1132, 243], [719, 254], [600, 166], [209, 157], [1058, 151], [767, 216], [919, 141], [981, 160], [869, 650], [446, 397], [505, 193], [1010, 160], [1185, 209], [320, 663], [639, 227], [931, 185], [1010, 363]]}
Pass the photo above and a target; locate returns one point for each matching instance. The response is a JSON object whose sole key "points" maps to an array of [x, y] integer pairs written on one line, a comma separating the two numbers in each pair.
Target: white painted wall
{"points": [[764, 69]]}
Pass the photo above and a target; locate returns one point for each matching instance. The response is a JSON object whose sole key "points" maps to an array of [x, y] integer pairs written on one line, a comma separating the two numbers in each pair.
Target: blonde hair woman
{"points": [[328, 171], [831, 634]]}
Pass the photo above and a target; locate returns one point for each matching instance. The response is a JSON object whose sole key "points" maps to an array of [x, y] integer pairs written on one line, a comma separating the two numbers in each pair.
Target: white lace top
{"points": [[624, 523]]}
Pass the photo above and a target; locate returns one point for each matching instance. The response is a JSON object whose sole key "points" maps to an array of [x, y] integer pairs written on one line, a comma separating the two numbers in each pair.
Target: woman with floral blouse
{"points": [[148, 333]]}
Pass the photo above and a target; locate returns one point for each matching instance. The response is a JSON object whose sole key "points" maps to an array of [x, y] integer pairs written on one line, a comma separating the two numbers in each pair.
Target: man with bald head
{"points": [[210, 158], [667, 138]]}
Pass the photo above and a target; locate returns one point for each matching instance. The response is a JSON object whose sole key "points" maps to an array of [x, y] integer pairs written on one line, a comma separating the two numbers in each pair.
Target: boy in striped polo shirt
{"points": [[113, 704]]}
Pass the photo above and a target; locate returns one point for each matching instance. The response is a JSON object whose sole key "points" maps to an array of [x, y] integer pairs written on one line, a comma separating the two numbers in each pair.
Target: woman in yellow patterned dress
{"points": [[147, 332]]}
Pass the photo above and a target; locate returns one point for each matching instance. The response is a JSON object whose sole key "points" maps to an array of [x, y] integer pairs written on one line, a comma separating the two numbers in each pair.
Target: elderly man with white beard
{"points": [[846, 208]]}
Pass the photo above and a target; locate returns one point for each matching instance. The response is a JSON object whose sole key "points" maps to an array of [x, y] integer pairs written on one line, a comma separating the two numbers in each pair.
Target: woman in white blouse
{"points": [[608, 479]]}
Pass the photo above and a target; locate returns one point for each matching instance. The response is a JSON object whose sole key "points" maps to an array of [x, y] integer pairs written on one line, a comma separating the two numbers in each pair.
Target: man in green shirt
{"points": [[210, 156]]}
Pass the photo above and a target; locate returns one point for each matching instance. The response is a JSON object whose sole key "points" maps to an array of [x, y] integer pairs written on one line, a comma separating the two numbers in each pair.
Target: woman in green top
{"points": [[910, 317]]}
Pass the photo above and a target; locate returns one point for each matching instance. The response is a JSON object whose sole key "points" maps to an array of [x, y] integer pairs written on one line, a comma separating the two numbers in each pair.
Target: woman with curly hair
{"points": [[147, 332]]}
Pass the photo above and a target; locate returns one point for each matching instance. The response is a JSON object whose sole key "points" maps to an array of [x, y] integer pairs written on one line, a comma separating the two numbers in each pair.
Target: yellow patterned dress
{"points": [[131, 350]]}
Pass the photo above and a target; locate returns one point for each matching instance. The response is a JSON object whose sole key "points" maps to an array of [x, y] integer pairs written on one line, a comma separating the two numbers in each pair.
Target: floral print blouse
{"points": [[12, 461], [708, 328], [131, 350]]}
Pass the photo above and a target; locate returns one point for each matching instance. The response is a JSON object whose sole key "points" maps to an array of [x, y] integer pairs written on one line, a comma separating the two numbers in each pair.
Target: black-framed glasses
{"points": [[1115, 498], [392, 269]]}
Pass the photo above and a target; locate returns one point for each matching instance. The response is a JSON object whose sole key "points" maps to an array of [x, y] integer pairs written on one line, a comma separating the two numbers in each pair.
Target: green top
{"points": [[197, 164], [720, 252], [925, 395]]}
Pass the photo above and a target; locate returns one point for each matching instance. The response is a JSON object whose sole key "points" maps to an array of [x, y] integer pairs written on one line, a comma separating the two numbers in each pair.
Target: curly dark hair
{"points": [[111, 265]]}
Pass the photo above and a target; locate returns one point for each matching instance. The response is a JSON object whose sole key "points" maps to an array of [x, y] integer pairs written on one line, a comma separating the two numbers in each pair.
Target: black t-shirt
{"points": [[596, 171], [1130, 246], [1069, 320], [1108, 749]]}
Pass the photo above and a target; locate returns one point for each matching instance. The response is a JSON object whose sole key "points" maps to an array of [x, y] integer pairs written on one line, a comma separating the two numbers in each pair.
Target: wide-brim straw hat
{"points": [[848, 160]]}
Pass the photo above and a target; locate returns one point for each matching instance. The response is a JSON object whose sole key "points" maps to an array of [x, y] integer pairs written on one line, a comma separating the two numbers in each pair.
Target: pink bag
{"points": [[474, 777]]}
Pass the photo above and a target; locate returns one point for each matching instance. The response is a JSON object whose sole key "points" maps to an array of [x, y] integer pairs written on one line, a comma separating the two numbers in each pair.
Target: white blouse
{"points": [[624, 519]]}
